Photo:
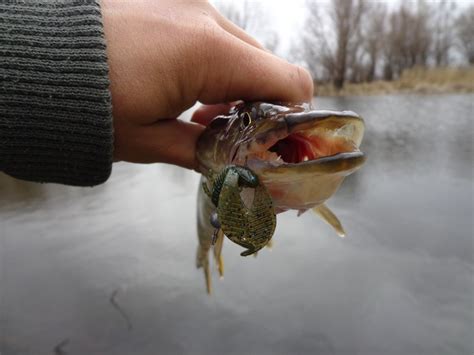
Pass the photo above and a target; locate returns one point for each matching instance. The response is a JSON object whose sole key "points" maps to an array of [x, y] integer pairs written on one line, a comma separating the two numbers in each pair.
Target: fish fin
{"points": [[200, 257], [218, 252], [207, 276], [202, 261], [255, 254], [214, 236], [270, 244], [205, 188], [327, 215], [300, 212]]}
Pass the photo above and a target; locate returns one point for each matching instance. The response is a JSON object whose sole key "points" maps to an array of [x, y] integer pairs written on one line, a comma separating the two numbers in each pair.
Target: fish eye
{"points": [[246, 119]]}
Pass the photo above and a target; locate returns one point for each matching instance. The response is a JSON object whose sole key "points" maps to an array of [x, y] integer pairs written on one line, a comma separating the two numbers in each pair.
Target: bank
{"points": [[417, 80]]}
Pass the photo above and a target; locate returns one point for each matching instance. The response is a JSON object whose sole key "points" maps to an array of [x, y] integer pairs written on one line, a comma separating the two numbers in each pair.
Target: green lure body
{"points": [[249, 226]]}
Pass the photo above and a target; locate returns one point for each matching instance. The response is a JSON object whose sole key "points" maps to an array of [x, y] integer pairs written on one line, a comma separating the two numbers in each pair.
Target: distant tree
{"points": [[373, 37], [465, 33], [421, 41], [330, 39], [316, 48], [408, 39], [349, 40], [442, 33]]}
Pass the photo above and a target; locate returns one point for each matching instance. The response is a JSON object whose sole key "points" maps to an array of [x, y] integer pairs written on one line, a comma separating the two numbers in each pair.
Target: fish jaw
{"points": [[306, 185], [305, 167]]}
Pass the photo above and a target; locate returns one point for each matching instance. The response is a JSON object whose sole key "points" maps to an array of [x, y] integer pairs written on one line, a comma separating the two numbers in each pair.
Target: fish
{"points": [[263, 159]]}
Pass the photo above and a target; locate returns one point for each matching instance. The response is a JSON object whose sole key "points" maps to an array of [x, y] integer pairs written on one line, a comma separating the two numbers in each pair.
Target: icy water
{"points": [[111, 270]]}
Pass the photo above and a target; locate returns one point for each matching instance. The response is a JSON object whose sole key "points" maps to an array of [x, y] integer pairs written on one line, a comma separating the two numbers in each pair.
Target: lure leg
{"points": [[251, 249]]}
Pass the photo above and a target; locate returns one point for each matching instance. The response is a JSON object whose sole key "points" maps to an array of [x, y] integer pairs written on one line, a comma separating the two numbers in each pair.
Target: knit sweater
{"points": [[55, 106]]}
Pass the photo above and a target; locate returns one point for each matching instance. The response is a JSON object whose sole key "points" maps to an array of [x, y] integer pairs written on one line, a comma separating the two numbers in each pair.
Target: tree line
{"points": [[361, 40]]}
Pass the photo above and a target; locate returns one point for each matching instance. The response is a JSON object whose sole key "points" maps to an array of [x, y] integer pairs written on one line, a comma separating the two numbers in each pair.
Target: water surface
{"points": [[75, 262]]}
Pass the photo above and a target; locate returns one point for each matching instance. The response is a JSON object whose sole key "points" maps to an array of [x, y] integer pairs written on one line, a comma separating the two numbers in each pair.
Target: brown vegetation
{"points": [[417, 80]]}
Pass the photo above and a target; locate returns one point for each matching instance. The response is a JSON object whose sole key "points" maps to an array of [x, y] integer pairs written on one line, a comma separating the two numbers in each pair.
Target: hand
{"points": [[166, 55]]}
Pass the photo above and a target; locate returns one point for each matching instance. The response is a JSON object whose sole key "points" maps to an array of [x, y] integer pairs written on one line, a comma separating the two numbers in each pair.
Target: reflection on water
{"points": [[110, 270]]}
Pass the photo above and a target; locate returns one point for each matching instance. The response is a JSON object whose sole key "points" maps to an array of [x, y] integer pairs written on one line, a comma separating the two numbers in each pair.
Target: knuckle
{"points": [[306, 82], [215, 46]]}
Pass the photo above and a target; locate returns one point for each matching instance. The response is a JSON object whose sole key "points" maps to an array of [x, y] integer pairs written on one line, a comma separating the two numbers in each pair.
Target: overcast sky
{"points": [[287, 16]]}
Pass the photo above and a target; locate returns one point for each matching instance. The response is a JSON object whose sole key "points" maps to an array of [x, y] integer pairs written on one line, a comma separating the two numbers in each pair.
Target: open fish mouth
{"points": [[313, 141]]}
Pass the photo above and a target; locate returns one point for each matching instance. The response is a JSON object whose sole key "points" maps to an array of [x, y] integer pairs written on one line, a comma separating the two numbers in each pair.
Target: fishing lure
{"points": [[251, 226]]}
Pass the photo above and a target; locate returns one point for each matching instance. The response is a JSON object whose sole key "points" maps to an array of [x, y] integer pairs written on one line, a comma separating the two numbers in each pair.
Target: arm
{"points": [[163, 56], [55, 106]]}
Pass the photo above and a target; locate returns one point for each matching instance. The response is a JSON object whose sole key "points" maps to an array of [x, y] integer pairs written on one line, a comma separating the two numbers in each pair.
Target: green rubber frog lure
{"points": [[252, 226]]}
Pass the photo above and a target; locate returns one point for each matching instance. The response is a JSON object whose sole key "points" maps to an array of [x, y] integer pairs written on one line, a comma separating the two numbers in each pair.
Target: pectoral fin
{"points": [[327, 215], [218, 252], [300, 212], [207, 276], [270, 244], [205, 188]]}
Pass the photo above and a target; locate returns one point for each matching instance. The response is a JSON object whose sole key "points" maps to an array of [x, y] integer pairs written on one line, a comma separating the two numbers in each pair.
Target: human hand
{"points": [[166, 55]]}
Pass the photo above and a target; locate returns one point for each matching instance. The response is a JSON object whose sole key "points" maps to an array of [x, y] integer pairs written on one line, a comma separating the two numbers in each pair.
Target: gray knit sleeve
{"points": [[55, 106]]}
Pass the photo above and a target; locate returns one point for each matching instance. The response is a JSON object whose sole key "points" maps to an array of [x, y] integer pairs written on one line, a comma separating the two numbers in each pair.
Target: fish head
{"points": [[300, 155]]}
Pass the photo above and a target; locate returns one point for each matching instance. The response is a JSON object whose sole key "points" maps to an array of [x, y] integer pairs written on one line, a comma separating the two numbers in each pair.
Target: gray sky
{"points": [[287, 16]]}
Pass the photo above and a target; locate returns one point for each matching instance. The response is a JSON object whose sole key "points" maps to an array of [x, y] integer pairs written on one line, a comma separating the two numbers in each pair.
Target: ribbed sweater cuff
{"points": [[55, 107]]}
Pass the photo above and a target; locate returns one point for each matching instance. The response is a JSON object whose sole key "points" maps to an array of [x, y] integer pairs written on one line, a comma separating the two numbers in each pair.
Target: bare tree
{"points": [[346, 16], [392, 48], [374, 36], [348, 40], [465, 33], [443, 19], [330, 38], [421, 39], [316, 49], [408, 39]]}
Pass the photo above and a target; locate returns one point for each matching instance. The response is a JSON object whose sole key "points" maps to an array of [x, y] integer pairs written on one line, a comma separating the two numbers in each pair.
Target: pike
{"points": [[263, 159]]}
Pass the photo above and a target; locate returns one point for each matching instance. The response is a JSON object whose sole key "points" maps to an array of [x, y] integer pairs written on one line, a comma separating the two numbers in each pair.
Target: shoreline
{"points": [[413, 81]]}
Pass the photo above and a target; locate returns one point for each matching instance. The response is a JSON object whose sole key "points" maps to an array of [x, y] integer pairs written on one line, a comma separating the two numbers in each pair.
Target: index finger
{"points": [[240, 71]]}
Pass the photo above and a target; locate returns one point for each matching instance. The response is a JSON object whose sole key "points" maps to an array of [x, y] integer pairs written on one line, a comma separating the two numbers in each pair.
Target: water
{"points": [[110, 270]]}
